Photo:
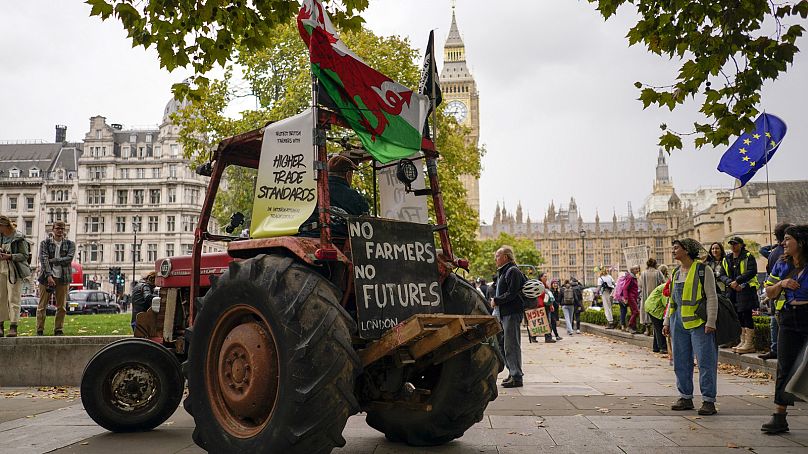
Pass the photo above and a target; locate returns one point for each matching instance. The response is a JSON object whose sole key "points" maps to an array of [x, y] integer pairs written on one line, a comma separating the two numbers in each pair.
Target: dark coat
{"points": [[343, 197], [746, 299], [142, 295], [509, 289]]}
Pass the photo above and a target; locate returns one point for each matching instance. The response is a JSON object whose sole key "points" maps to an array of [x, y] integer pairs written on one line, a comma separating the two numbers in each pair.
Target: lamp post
{"points": [[135, 228], [583, 251]]}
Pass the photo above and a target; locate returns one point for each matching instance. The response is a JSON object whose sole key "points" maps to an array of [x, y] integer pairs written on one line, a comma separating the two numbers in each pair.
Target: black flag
{"points": [[430, 85]]}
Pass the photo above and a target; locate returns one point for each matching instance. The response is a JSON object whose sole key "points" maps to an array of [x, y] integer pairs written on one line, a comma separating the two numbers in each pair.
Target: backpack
{"points": [[727, 325], [568, 296], [617, 295], [604, 284]]}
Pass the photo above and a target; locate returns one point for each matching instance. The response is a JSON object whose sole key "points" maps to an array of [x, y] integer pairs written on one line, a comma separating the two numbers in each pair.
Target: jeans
{"points": [[660, 344], [513, 343], [686, 344], [774, 328], [791, 340], [606, 296], [576, 317], [568, 317], [501, 334]]}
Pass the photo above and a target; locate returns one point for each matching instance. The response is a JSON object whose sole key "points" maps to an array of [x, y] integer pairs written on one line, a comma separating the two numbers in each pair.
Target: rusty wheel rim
{"points": [[241, 371]]}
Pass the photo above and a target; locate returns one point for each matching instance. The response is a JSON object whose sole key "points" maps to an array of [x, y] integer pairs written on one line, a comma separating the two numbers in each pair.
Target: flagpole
{"points": [[765, 164], [432, 73]]}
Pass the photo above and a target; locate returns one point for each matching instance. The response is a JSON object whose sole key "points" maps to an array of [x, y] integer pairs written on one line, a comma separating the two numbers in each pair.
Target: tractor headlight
{"points": [[155, 304], [406, 172]]}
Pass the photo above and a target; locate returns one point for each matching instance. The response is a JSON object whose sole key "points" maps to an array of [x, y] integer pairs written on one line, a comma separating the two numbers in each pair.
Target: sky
{"points": [[559, 114]]}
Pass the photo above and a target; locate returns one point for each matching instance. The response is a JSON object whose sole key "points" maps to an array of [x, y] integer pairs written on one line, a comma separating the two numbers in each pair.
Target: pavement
{"points": [[583, 394]]}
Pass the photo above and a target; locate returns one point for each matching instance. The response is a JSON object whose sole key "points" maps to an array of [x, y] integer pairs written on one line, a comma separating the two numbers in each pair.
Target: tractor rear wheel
{"points": [[132, 385], [461, 386], [271, 368]]}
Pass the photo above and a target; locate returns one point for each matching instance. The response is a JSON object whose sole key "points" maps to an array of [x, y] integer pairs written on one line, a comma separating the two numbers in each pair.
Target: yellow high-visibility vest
{"points": [[753, 283], [692, 296]]}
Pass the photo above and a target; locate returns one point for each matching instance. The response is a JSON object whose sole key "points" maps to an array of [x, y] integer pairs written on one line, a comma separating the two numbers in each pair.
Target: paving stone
{"points": [[645, 422], [698, 436]]}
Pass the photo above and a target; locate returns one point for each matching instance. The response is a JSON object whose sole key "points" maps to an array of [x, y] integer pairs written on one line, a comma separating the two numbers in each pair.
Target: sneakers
{"points": [[707, 408], [577, 331], [558, 338], [610, 325], [683, 404], [549, 340], [776, 425], [515, 383]]}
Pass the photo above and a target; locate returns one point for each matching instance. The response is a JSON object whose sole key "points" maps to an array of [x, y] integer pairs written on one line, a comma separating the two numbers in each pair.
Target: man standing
{"points": [[650, 279], [511, 309], [14, 254], [740, 276], [55, 274]]}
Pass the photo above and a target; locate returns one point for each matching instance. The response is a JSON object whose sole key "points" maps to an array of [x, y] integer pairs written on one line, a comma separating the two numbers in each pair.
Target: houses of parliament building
{"points": [[571, 246]]}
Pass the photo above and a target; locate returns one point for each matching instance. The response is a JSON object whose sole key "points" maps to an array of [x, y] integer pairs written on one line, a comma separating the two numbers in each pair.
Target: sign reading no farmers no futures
{"points": [[396, 273]]}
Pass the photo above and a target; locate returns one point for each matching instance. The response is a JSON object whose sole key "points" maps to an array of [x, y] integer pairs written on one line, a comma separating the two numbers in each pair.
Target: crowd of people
{"points": [[680, 310]]}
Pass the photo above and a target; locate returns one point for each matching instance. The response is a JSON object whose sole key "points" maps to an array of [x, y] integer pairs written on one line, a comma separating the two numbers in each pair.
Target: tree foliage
{"points": [[204, 33], [728, 50], [278, 77], [482, 262]]}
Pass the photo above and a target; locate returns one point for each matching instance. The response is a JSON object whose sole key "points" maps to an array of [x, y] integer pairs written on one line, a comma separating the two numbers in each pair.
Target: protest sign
{"points": [[537, 323]]}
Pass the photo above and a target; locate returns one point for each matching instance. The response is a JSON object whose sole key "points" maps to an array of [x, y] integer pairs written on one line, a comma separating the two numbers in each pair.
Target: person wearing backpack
{"points": [[693, 285], [511, 305], [14, 268]]}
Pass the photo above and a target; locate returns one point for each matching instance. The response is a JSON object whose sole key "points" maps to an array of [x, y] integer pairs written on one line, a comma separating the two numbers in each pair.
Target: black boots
{"points": [[776, 425]]}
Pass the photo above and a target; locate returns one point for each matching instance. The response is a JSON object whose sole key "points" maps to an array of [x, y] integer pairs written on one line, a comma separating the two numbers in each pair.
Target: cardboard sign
{"points": [[285, 192], [635, 255], [395, 202], [537, 323], [395, 273]]}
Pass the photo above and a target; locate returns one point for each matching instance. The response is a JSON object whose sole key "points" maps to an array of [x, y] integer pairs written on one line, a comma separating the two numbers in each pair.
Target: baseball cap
{"points": [[736, 239]]}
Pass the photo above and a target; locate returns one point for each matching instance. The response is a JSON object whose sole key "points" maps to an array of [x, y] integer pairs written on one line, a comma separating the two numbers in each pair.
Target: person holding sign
{"points": [[343, 197], [509, 300]]}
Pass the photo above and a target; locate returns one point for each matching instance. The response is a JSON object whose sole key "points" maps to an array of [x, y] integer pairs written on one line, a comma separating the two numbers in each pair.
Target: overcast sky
{"points": [[559, 114]]}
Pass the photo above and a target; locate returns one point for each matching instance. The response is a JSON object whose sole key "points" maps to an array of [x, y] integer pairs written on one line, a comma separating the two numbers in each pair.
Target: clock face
{"points": [[456, 109]]}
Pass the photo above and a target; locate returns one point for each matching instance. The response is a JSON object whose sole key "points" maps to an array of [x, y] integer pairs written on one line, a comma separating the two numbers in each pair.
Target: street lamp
{"points": [[135, 228], [583, 263]]}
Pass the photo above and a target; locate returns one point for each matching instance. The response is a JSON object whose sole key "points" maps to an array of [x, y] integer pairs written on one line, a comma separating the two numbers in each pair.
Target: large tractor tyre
{"points": [[271, 368], [132, 385], [461, 386]]}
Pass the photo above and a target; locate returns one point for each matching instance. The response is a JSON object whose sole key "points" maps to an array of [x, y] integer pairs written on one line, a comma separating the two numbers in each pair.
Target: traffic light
{"points": [[112, 275]]}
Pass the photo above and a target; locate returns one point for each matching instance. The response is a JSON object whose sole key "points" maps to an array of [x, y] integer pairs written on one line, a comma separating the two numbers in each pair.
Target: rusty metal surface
{"points": [[242, 371], [300, 246]]}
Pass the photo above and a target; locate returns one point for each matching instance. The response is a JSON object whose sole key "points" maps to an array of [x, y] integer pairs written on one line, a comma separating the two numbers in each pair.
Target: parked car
{"points": [[28, 305], [91, 302]]}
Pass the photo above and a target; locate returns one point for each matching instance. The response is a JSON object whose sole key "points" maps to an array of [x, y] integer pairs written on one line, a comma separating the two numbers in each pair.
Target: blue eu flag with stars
{"points": [[753, 151]]}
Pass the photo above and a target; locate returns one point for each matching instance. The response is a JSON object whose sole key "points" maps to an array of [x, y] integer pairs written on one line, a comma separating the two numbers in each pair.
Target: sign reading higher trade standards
{"points": [[395, 273]]}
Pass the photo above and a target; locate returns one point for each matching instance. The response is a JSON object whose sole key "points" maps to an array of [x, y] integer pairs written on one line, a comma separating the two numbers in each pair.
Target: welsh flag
{"points": [[387, 116]]}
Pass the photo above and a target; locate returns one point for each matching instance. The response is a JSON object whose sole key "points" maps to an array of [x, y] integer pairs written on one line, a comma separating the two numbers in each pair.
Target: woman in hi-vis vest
{"points": [[692, 284]]}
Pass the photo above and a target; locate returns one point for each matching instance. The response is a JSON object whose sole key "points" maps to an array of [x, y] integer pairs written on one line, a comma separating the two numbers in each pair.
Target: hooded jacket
{"points": [[20, 251]]}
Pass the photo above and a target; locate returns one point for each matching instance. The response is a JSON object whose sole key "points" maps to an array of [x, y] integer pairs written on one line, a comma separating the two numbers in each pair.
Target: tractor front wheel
{"points": [[132, 385]]}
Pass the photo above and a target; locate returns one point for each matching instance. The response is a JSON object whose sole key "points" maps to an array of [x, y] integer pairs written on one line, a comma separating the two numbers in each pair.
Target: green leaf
{"points": [[100, 8]]}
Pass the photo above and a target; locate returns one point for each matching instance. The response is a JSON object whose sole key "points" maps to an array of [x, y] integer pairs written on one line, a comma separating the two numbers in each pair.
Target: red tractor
{"points": [[280, 345]]}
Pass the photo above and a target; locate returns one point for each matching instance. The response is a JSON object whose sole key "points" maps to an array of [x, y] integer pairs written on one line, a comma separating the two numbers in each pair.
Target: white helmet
{"points": [[532, 288]]}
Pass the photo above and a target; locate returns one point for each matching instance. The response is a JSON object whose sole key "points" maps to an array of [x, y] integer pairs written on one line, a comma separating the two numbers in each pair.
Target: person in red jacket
{"points": [[544, 298], [632, 293]]}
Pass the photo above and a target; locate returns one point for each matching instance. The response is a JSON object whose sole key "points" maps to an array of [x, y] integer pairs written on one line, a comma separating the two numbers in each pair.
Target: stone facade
{"points": [[135, 183], [749, 212], [461, 99]]}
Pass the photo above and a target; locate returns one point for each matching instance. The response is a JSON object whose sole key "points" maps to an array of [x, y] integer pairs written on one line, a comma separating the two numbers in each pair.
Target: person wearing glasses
{"points": [[55, 274]]}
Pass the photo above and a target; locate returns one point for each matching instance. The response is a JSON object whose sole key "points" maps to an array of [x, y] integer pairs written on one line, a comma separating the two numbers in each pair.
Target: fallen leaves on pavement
{"points": [[746, 372]]}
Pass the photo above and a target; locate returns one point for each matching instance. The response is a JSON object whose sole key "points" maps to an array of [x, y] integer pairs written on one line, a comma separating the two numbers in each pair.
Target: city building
{"points": [[571, 247], [462, 100], [38, 185], [138, 199]]}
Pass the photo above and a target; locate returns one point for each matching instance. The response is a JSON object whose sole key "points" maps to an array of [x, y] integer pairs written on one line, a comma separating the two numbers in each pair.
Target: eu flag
{"points": [[751, 152]]}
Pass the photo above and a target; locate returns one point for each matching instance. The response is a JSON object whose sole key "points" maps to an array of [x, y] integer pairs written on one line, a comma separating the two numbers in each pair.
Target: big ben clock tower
{"points": [[461, 100]]}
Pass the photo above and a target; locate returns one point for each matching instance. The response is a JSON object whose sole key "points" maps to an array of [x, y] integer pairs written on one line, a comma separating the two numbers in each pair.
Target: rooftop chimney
{"points": [[61, 133]]}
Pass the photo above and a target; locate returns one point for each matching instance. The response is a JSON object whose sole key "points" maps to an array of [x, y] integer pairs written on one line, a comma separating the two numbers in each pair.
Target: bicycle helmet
{"points": [[532, 288]]}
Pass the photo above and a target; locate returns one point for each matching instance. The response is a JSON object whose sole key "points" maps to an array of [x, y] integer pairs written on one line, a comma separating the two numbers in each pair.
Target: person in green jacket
{"points": [[655, 305], [14, 253]]}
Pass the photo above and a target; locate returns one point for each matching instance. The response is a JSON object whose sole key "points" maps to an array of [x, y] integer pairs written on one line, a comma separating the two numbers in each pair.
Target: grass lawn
{"points": [[81, 325]]}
